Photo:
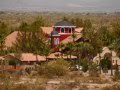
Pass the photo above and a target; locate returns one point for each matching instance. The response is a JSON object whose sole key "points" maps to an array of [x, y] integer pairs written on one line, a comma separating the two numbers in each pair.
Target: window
{"points": [[62, 30], [56, 41], [70, 30], [56, 29]]}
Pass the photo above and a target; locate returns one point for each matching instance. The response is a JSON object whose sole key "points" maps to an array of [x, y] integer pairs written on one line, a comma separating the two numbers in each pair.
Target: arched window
{"points": [[56, 41], [62, 30]]}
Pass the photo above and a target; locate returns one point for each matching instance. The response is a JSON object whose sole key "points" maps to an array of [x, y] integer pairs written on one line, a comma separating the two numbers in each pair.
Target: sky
{"points": [[61, 5]]}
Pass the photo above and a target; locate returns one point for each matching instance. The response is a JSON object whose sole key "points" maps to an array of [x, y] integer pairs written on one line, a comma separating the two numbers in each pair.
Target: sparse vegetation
{"points": [[100, 30], [54, 68]]}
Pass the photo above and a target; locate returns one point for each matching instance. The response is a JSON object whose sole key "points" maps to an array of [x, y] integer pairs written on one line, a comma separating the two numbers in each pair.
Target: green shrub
{"points": [[93, 70], [84, 64], [105, 63], [53, 68]]}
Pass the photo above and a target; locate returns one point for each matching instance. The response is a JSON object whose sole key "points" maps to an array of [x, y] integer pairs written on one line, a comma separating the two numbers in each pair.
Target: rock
{"points": [[71, 81], [53, 82]]}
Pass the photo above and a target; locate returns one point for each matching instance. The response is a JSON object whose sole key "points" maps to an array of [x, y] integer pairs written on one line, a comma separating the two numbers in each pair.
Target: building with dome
{"points": [[61, 31]]}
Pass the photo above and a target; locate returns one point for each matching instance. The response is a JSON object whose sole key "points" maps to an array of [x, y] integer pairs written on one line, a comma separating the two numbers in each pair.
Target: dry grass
{"points": [[114, 87], [53, 68]]}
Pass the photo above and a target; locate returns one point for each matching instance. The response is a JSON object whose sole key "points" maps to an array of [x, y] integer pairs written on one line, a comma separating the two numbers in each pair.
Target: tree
{"points": [[31, 39], [61, 46], [79, 22], [87, 24], [105, 36], [3, 33], [47, 49], [74, 36], [65, 19], [105, 63], [84, 50], [70, 47], [115, 45]]}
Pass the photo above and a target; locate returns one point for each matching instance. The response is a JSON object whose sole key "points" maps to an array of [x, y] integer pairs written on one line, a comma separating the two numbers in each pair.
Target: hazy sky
{"points": [[61, 5]]}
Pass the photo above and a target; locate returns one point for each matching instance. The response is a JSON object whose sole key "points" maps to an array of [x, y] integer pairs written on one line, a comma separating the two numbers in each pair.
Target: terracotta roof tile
{"points": [[47, 30], [31, 57], [58, 55], [70, 39], [11, 38]]}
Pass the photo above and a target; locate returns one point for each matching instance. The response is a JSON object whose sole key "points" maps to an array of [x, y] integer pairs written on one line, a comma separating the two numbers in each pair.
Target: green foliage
{"points": [[53, 68], [77, 22], [65, 19], [31, 39], [87, 24], [116, 29], [115, 45], [3, 33], [14, 62], [84, 50], [93, 70], [73, 36], [84, 63], [70, 50], [105, 63], [105, 36]]}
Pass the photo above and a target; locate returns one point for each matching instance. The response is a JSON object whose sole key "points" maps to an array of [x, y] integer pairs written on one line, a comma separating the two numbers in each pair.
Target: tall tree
{"points": [[84, 50], [31, 39], [105, 36], [3, 33], [70, 47], [87, 24]]}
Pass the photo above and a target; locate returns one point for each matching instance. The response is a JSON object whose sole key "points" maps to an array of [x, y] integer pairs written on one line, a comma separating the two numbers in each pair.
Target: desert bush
{"points": [[116, 74], [84, 64], [53, 68], [93, 70]]}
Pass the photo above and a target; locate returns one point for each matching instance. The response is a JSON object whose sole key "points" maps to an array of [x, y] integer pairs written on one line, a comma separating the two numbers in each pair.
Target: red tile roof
{"points": [[10, 39], [27, 57], [31, 57], [58, 55]]}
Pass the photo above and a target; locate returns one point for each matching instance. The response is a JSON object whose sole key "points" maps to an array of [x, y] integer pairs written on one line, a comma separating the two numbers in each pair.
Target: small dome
{"points": [[54, 33]]}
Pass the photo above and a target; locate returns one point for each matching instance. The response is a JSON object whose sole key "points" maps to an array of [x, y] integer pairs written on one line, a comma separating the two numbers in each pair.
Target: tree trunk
{"points": [[111, 65], [36, 57], [100, 62], [46, 58]]}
